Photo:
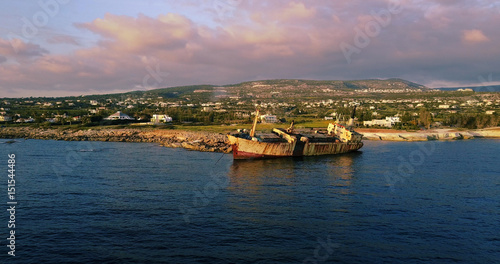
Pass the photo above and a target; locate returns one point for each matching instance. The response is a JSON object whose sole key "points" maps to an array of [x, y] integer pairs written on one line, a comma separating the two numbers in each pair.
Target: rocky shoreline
{"points": [[217, 142], [427, 135], [200, 141]]}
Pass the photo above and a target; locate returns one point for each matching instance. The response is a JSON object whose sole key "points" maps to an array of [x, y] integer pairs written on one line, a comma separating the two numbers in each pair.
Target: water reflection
{"points": [[255, 172], [251, 175], [282, 186], [341, 172]]}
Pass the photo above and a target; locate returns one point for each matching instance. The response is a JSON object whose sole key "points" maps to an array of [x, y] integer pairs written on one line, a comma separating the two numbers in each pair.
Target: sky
{"points": [[76, 47]]}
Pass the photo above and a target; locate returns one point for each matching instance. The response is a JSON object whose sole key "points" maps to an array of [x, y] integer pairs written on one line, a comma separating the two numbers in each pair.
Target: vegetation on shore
{"points": [[223, 108]]}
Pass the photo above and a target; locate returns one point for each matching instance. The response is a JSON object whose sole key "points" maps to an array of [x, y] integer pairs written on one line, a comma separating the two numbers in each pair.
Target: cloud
{"points": [[474, 36], [17, 49], [296, 11], [130, 34], [63, 39], [279, 39]]}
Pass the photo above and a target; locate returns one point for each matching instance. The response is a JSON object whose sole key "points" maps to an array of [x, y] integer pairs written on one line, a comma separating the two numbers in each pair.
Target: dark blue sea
{"points": [[392, 202]]}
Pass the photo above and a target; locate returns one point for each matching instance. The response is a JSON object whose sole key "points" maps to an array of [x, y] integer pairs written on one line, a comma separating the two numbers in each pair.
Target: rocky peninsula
{"points": [[200, 141]]}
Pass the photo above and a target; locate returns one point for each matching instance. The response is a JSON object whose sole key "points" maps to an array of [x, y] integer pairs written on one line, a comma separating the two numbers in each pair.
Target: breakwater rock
{"points": [[200, 141], [438, 134]]}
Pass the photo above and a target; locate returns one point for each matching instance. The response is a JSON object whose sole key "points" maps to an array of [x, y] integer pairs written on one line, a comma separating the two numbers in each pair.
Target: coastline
{"points": [[200, 141], [427, 135], [217, 142]]}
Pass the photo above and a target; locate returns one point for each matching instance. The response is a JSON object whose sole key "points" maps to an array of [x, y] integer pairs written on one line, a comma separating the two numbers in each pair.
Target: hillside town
{"points": [[388, 105]]}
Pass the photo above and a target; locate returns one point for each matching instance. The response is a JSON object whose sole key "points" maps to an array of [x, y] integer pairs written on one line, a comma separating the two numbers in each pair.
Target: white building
{"points": [[25, 120], [5, 118], [208, 109], [393, 119], [387, 122], [161, 119], [119, 116], [268, 119]]}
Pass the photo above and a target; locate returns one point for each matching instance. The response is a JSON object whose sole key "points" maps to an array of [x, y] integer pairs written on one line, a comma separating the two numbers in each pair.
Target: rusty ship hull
{"points": [[249, 149], [338, 139]]}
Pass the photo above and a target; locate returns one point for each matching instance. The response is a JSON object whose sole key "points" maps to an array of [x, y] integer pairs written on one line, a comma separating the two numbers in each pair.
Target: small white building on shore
{"points": [[161, 119], [268, 119], [387, 122], [5, 118], [119, 116]]}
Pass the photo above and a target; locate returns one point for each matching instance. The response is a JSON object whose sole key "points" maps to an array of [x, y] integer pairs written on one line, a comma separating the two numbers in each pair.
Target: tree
{"points": [[364, 115], [425, 118], [143, 116], [68, 119], [406, 118], [85, 119]]}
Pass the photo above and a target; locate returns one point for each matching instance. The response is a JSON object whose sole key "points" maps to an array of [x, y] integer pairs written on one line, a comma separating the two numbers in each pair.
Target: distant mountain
{"points": [[491, 88], [286, 88], [336, 84], [292, 87]]}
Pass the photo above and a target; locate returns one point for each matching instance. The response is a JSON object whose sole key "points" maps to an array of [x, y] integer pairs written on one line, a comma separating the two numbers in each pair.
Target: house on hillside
{"points": [[387, 122], [268, 119], [207, 109], [161, 119], [5, 118], [25, 120], [119, 116]]}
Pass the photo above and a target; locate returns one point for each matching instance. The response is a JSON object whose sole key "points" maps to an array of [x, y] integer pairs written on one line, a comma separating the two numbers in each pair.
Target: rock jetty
{"points": [[425, 135], [200, 141]]}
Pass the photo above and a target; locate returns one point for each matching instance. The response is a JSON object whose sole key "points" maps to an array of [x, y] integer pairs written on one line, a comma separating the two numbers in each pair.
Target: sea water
{"points": [[391, 202]]}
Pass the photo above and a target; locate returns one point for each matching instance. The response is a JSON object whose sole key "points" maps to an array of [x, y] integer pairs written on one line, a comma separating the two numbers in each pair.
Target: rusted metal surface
{"points": [[252, 132], [244, 148], [314, 149], [247, 147]]}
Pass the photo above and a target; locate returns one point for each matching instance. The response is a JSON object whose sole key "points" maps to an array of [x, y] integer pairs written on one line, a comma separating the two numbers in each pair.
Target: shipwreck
{"points": [[337, 139]]}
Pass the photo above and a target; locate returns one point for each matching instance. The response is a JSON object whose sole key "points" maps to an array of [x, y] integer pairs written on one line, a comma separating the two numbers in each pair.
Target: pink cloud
{"points": [[63, 39], [278, 39], [17, 49], [474, 36], [295, 11], [168, 31]]}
